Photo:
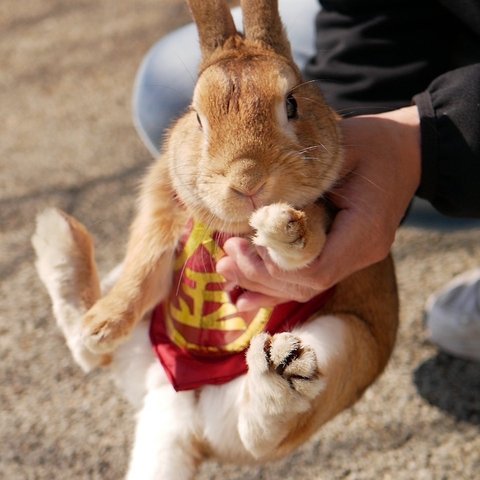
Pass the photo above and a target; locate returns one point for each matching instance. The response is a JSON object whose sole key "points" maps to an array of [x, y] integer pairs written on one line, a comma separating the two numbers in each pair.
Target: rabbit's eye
{"points": [[199, 121], [292, 107]]}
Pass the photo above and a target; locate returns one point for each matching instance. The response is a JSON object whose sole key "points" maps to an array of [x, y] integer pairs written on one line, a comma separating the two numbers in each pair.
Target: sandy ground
{"points": [[67, 139]]}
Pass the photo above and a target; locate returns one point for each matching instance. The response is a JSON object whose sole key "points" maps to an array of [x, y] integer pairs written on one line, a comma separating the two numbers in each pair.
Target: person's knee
{"points": [[164, 84]]}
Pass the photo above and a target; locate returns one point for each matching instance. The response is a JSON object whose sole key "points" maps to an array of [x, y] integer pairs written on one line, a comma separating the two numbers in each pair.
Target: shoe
{"points": [[453, 316]]}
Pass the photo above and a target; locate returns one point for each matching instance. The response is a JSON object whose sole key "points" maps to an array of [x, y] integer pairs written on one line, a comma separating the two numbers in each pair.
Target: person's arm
{"points": [[432, 149], [369, 60], [374, 56], [450, 130]]}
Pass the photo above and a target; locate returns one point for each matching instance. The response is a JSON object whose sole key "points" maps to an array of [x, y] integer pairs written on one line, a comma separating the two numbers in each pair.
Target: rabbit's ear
{"points": [[261, 21], [214, 23]]}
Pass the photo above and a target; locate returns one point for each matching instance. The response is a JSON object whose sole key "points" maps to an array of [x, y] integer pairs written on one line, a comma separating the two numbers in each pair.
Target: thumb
{"points": [[349, 248]]}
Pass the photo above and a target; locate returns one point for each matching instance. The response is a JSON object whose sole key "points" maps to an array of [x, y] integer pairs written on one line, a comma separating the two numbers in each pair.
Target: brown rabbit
{"points": [[253, 156]]}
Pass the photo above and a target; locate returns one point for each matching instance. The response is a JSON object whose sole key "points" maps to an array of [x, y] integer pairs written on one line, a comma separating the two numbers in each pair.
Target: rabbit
{"points": [[253, 156]]}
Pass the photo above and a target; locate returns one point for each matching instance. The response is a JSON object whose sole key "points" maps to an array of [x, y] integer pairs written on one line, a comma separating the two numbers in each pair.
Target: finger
{"points": [[229, 268], [253, 301], [351, 245], [247, 262], [300, 284], [248, 270]]}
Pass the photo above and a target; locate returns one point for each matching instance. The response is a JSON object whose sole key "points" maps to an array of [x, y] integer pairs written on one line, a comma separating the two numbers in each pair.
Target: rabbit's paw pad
{"points": [[285, 355], [279, 223], [102, 333]]}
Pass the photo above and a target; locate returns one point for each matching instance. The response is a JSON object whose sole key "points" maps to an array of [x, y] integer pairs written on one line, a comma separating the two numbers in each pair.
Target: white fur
{"points": [[284, 247], [326, 336], [219, 408], [135, 369], [263, 422], [56, 263], [111, 278], [163, 447]]}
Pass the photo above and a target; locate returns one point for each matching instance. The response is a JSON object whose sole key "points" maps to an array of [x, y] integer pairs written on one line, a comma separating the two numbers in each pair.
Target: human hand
{"points": [[380, 176]]}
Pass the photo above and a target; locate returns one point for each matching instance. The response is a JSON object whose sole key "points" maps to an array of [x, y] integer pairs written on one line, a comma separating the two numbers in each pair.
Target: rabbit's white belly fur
{"points": [[212, 416], [167, 417]]}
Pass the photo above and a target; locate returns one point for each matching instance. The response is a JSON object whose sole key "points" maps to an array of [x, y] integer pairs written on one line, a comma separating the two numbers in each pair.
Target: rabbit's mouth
{"points": [[226, 215], [231, 202], [237, 211]]}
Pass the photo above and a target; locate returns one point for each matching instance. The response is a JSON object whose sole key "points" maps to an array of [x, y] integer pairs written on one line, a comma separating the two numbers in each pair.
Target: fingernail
{"points": [[234, 246], [225, 269]]}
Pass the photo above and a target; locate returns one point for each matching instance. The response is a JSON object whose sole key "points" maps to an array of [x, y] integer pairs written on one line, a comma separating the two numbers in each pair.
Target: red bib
{"points": [[197, 333]]}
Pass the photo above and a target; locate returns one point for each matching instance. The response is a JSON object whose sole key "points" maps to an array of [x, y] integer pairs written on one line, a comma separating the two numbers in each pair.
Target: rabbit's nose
{"points": [[246, 177], [248, 189]]}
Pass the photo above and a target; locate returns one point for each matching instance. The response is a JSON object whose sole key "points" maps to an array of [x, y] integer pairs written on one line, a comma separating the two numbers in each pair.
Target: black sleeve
{"points": [[374, 56], [377, 55], [450, 131]]}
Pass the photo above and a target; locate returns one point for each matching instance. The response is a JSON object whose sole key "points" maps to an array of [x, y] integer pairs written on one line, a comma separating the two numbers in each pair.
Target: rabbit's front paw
{"points": [[285, 233], [284, 356], [106, 325]]}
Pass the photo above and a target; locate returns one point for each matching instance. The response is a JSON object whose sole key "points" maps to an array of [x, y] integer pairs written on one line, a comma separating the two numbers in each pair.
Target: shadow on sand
{"points": [[452, 385]]}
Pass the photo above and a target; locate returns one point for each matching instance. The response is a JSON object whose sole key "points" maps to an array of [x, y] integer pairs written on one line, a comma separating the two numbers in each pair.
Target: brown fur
{"points": [[86, 282]]}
